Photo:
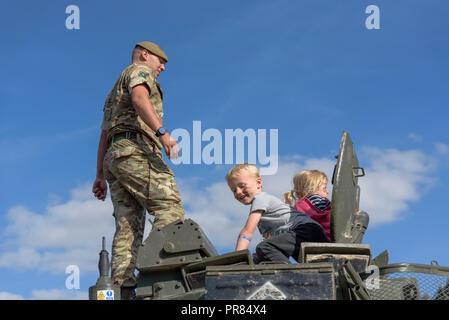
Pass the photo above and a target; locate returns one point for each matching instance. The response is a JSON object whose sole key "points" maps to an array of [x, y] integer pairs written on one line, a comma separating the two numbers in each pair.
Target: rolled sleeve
{"points": [[140, 75]]}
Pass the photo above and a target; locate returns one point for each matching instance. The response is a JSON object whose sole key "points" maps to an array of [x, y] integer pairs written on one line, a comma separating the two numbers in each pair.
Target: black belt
{"points": [[123, 135], [131, 135]]}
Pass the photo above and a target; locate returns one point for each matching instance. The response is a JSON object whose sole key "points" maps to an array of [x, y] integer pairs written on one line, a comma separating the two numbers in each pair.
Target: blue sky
{"points": [[308, 69]]}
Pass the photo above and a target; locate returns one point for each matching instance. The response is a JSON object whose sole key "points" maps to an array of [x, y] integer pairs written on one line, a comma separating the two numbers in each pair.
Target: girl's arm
{"points": [[247, 232]]}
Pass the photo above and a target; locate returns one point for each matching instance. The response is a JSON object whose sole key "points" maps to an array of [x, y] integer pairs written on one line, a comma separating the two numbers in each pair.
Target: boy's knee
{"points": [[263, 249]]}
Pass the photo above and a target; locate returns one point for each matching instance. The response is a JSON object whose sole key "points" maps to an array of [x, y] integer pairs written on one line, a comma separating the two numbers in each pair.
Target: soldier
{"points": [[130, 159]]}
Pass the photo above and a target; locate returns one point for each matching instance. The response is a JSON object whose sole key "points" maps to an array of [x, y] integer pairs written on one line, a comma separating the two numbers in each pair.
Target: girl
{"points": [[310, 196]]}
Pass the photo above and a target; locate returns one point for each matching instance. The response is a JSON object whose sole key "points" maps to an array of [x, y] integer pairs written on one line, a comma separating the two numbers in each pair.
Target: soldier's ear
{"points": [[144, 55]]}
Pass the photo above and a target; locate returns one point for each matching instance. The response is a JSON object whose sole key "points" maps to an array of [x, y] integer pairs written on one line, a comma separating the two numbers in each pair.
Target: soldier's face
{"points": [[156, 63], [245, 186]]}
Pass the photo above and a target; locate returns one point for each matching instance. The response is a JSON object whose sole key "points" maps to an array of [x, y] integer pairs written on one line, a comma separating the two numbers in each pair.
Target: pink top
{"points": [[323, 217]]}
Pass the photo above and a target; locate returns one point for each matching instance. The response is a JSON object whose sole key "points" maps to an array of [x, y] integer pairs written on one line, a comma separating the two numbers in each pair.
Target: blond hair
{"points": [[250, 168], [305, 183]]}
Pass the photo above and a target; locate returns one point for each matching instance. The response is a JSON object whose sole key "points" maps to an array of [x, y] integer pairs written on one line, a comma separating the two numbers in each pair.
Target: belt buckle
{"points": [[128, 135]]}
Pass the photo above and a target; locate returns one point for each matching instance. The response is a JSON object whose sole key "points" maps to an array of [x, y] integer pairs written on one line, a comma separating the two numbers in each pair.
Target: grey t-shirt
{"points": [[277, 215]]}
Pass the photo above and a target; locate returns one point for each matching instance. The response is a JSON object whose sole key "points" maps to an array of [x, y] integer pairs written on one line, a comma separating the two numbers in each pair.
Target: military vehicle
{"points": [[179, 262]]}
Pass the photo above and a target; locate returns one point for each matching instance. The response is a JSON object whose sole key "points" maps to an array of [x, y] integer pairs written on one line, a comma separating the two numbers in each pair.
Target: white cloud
{"points": [[10, 296], [52, 294], [59, 294], [394, 179], [415, 137], [65, 234], [441, 148]]}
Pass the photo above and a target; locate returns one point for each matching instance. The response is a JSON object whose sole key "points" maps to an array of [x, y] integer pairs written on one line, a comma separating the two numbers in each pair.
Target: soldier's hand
{"points": [[170, 146], [100, 188]]}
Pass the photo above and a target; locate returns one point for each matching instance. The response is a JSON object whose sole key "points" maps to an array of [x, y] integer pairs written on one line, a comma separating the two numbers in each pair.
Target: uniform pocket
{"points": [[119, 150], [118, 153], [157, 164]]}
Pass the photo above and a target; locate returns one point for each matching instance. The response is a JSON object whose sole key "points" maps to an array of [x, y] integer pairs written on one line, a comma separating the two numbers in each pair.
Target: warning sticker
{"points": [[105, 295]]}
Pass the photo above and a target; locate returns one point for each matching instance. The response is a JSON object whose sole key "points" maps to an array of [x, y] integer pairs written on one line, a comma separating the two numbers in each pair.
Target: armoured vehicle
{"points": [[178, 261]]}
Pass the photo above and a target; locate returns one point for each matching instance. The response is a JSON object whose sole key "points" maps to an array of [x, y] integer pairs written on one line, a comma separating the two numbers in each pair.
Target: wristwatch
{"points": [[161, 131]]}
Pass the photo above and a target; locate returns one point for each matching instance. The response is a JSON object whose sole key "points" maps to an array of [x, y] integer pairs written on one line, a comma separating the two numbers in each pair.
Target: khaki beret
{"points": [[153, 48]]}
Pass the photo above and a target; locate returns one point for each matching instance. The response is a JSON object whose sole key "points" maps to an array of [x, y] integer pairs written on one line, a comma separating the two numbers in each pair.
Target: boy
{"points": [[282, 227]]}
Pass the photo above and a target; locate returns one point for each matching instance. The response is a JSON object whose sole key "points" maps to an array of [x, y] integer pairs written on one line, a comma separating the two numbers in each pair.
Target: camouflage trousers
{"points": [[139, 181]]}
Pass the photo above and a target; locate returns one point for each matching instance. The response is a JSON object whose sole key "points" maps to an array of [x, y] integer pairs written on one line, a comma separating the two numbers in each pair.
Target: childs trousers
{"points": [[281, 247]]}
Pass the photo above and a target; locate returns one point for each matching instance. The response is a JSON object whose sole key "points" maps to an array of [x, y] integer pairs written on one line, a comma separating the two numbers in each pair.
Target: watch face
{"points": [[161, 130]]}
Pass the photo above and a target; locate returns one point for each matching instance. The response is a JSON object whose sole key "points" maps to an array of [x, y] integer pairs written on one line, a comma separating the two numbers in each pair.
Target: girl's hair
{"points": [[305, 183], [250, 168]]}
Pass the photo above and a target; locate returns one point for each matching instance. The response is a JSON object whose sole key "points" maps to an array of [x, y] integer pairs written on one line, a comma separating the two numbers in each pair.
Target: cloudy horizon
{"points": [[52, 240]]}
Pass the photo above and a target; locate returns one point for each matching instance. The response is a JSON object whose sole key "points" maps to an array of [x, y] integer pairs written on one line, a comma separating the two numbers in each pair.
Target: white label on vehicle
{"points": [[105, 295]]}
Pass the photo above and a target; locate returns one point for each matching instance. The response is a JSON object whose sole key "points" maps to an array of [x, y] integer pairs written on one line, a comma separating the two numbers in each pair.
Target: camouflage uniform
{"points": [[137, 175]]}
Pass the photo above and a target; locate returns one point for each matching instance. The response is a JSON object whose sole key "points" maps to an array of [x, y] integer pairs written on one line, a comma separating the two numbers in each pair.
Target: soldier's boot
{"points": [[127, 293]]}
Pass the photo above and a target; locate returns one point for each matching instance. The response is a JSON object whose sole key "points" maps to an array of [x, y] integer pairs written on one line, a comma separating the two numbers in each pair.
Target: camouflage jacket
{"points": [[119, 113]]}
